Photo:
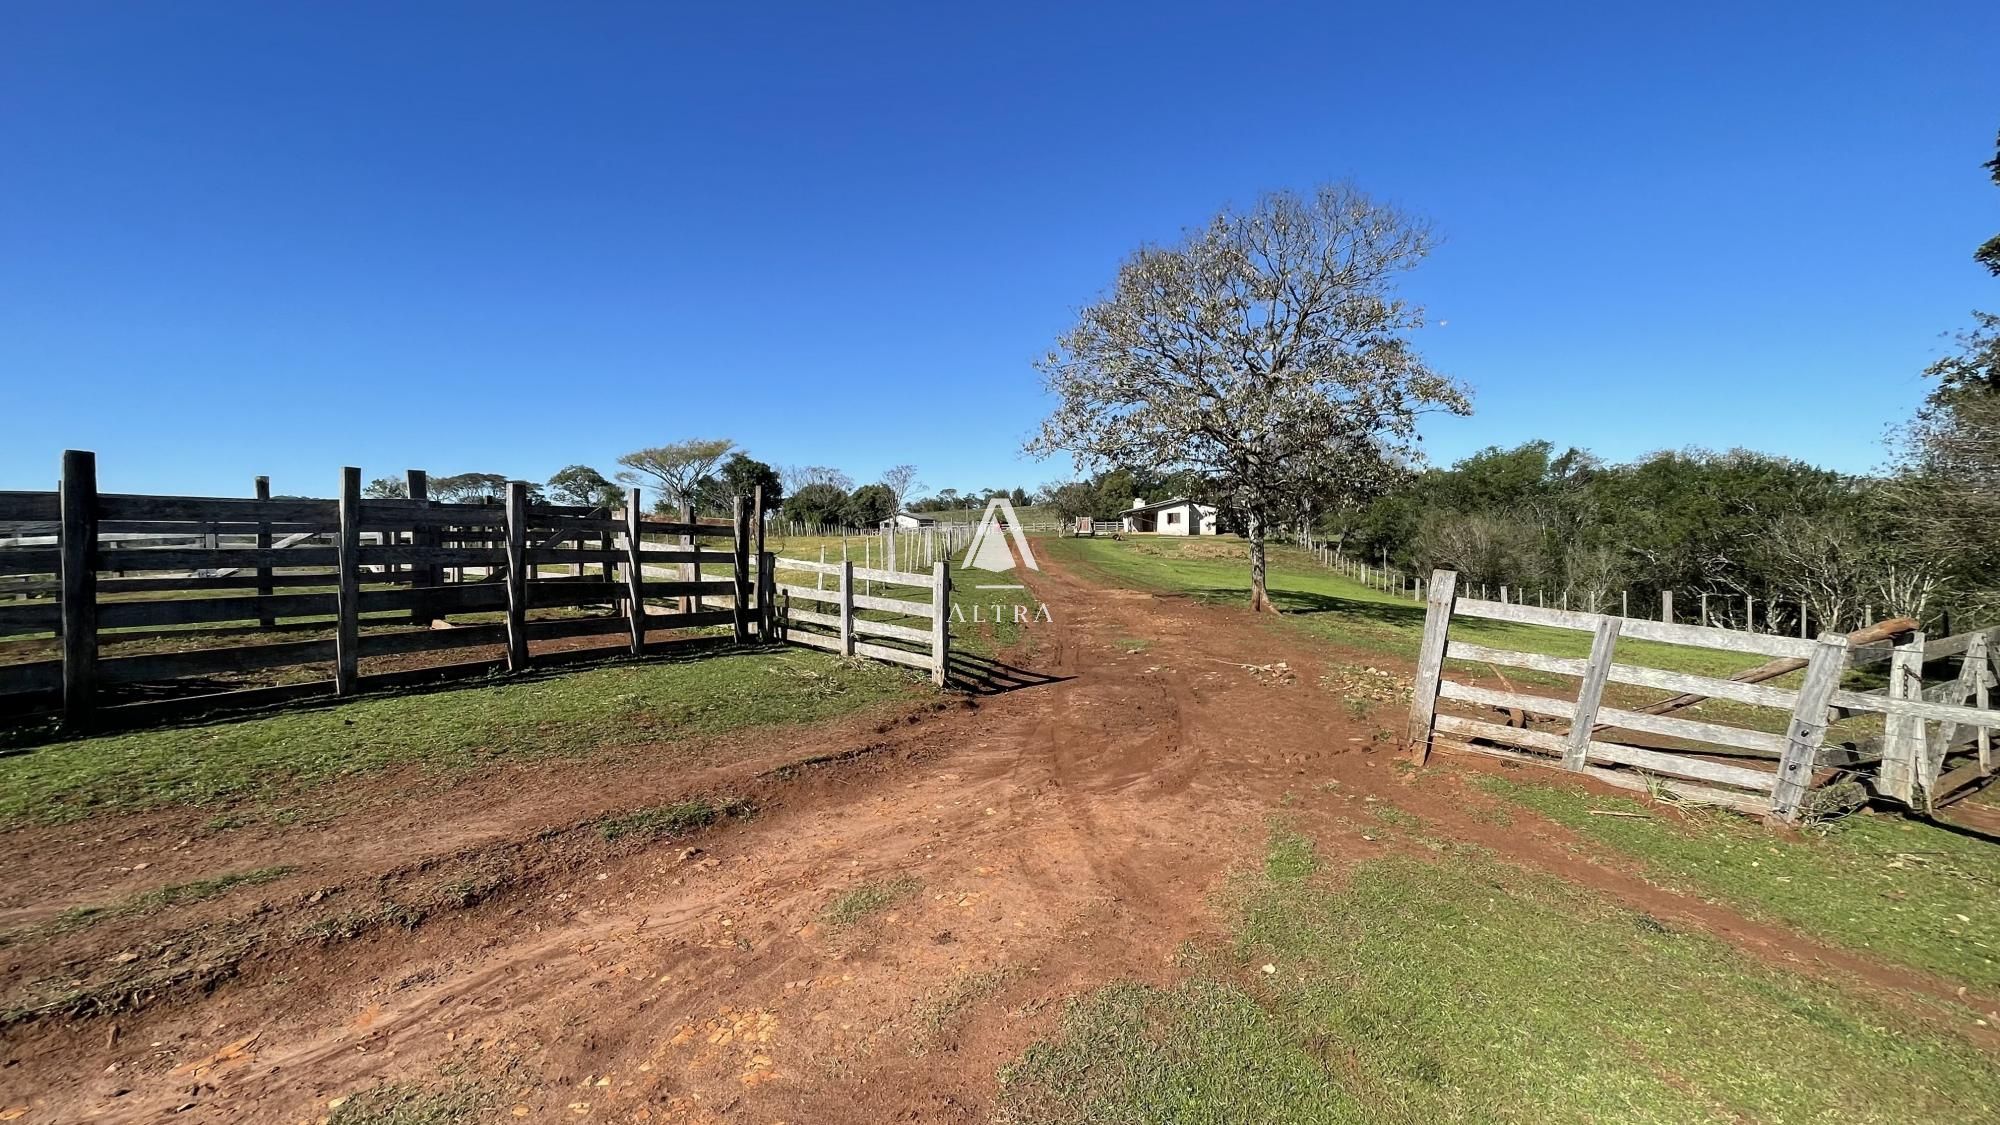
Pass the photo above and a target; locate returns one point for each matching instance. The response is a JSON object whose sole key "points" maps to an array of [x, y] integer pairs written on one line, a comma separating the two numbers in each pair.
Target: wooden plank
{"points": [[197, 558], [213, 661], [30, 560], [432, 640], [24, 506], [517, 576], [807, 593], [1638, 629], [30, 617], [1708, 687], [191, 611], [40, 676], [1660, 761], [1430, 662], [1958, 643], [431, 602], [439, 556], [579, 591], [681, 589], [1808, 727], [1507, 700], [347, 627], [79, 509], [1597, 668], [785, 563], [697, 619], [885, 629], [202, 509], [813, 640], [110, 586], [1934, 712], [1505, 658], [423, 536], [903, 606], [1672, 727], [893, 655], [811, 617], [265, 587], [552, 629], [1623, 779]]}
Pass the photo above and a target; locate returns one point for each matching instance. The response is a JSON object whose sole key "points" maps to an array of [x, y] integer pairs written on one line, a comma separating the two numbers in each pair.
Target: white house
{"points": [[905, 520], [1179, 516]]}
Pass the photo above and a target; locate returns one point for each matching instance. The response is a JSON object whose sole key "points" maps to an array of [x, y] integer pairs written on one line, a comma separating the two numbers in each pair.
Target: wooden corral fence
{"points": [[1751, 769], [1928, 759], [204, 582], [840, 627]]}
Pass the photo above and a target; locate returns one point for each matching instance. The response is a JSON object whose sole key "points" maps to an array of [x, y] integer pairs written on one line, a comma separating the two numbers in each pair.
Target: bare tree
{"points": [[677, 470], [1267, 352], [901, 480], [797, 477]]}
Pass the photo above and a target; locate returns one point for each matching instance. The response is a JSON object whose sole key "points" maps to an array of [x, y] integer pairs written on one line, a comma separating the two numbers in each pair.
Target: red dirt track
{"points": [[1063, 836]]}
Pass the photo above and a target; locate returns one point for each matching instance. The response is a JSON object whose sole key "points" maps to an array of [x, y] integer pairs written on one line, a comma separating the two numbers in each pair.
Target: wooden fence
{"points": [[840, 629], [141, 619], [1722, 763]]}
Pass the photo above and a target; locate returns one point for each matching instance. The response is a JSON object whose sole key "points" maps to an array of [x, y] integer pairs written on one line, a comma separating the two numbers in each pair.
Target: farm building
{"points": [[1178, 516], [903, 521]]}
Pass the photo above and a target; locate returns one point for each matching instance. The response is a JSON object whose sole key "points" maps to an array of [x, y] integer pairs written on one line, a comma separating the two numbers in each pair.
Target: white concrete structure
{"points": [[1178, 516], [907, 520]]}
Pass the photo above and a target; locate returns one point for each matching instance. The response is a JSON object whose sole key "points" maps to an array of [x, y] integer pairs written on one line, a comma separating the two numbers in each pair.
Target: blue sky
{"points": [[255, 238]]}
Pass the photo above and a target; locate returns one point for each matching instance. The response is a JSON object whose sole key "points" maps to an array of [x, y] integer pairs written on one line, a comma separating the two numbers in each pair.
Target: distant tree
{"points": [[797, 477], [1018, 497], [581, 484], [387, 488], [676, 470], [742, 476], [869, 505], [468, 488], [817, 504], [900, 480], [1071, 499], [1267, 351], [947, 499]]}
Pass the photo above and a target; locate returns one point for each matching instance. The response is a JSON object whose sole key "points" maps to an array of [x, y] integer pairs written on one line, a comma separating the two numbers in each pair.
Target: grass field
{"points": [[1331, 607], [568, 714], [1452, 987]]}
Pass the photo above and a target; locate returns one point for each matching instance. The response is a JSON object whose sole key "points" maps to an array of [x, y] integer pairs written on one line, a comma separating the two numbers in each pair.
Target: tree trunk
{"points": [[1260, 597]]}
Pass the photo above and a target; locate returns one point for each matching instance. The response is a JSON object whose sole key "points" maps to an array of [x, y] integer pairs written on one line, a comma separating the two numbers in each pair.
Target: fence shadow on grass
{"points": [[982, 675]]}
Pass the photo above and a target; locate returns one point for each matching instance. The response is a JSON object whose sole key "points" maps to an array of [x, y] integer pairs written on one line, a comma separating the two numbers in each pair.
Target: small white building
{"points": [[903, 521], [1178, 516]]}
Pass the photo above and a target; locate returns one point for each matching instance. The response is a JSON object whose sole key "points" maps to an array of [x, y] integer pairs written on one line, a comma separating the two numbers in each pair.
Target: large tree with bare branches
{"points": [[1267, 351]]}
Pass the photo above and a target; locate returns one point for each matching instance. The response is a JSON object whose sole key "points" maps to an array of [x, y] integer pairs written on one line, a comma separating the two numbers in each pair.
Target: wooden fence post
{"points": [[1902, 735], [422, 574], [763, 564], [265, 587], [78, 575], [846, 608], [635, 578], [740, 600], [1603, 644], [940, 620], [1430, 662], [517, 576], [1980, 653], [691, 570], [1808, 727], [347, 634], [1667, 606]]}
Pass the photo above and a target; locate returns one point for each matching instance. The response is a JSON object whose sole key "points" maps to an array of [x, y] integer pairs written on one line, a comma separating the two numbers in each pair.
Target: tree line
{"points": [[709, 475]]}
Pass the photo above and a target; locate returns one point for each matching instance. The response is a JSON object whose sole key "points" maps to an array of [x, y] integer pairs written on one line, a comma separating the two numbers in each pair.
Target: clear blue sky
{"points": [[279, 238]]}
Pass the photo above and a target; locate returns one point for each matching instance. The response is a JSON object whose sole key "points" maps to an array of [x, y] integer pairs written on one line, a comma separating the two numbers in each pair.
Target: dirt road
{"points": [[1032, 845]]}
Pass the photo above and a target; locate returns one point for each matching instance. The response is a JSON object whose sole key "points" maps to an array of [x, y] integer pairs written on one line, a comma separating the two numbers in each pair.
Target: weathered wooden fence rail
{"points": [[1742, 767], [398, 568], [841, 628]]}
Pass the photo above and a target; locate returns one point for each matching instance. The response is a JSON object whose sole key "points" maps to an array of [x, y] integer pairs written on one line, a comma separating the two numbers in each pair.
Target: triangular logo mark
{"points": [[988, 550]]}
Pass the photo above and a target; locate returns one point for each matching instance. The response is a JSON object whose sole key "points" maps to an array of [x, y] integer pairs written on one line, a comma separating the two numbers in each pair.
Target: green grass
{"points": [[1462, 989], [176, 894], [564, 715], [868, 899], [678, 819], [1903, 891], [1327, 606]]}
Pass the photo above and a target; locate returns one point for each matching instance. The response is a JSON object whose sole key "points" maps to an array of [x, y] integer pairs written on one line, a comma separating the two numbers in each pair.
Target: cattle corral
{"points": [[129, 607]]}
